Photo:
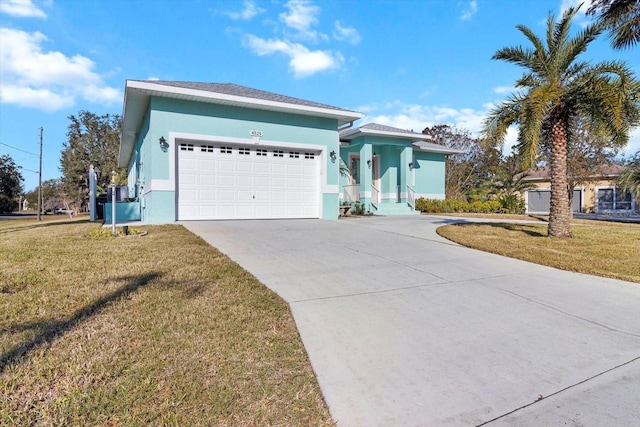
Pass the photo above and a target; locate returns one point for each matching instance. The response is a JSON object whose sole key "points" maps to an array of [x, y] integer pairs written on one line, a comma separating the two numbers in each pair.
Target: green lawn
{"points": [[160, 329], [598, 248]]}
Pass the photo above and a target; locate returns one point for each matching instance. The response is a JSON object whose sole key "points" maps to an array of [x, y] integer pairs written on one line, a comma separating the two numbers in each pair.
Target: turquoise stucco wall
{"points": [[394, 156], [170, 115], [430, 174], [125, 212]]}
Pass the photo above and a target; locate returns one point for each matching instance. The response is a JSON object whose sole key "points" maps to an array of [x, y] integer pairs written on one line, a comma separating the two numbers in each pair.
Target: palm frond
{"points": [[516, 55]]}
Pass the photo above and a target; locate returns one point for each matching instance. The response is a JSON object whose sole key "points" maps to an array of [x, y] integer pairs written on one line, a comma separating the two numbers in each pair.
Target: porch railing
{"points": [[351, 193], [411, 198], [375, 196]]}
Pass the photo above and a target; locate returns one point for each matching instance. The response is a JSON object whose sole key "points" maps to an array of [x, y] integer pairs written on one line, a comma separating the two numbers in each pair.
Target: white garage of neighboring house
{"points": [[595, 194]]}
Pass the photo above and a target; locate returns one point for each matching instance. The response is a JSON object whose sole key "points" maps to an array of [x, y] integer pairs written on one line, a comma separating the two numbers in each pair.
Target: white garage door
{"points": [[224, 181]]}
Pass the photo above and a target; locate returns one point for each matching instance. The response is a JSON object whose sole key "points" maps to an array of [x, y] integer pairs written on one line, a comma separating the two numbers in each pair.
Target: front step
{"points": [[394, 209]]}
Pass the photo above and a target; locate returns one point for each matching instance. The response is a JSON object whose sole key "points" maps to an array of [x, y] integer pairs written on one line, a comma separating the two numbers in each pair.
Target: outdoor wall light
{"points": [[369, 162], [411, 165], [332, 154], [164, 145]]}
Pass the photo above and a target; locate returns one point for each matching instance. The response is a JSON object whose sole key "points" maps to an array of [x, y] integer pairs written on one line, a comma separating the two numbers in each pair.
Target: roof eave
{"points": [[354, 133]]}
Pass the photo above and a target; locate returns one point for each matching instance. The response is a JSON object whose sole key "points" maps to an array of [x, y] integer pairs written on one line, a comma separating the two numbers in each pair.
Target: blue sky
{"points": [[402, 63]]}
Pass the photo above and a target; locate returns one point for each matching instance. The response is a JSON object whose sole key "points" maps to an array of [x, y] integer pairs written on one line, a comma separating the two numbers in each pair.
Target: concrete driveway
{"points": [[404, 328]]}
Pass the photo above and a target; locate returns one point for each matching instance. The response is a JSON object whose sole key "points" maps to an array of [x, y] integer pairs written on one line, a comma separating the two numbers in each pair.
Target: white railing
{"points": [[351, 193], [375, 196], [411, 198]]}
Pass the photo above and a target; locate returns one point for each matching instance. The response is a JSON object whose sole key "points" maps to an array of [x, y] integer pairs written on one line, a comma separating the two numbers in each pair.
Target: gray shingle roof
{"points": [[384, 128], [243, 91], [544, 173]]}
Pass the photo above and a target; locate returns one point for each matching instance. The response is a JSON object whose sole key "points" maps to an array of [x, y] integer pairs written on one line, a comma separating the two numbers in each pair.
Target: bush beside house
{"points": [[457, 206]]}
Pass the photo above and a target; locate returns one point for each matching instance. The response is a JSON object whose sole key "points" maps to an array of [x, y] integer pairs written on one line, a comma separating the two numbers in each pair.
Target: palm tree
{"points": [[622, 17], [556, 90]]}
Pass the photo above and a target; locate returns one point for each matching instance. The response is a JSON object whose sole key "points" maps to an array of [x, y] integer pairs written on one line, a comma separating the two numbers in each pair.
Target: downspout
{"points": [[346, 126]]}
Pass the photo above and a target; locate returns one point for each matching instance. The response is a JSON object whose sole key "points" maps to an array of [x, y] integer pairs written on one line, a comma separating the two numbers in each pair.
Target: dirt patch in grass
{"points": [[601, 249], [160, 330]]}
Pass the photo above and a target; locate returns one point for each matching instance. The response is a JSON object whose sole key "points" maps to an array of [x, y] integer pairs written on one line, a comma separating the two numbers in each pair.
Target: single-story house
{"points": [[595, 194], [208, 151]]}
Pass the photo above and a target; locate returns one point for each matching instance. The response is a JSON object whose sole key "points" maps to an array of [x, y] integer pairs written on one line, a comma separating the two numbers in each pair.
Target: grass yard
{"points": [[598, 248], [160, 329]]}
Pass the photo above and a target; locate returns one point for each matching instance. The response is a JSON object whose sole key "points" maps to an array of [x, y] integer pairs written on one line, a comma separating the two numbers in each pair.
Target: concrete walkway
{"points": [[404, 328]]}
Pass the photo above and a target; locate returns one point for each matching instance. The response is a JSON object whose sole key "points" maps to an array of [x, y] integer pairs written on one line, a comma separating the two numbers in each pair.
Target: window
{"points": [[622, 200], [261, 152], [354, 167], [278, 153], [244, 151], [225, 150], [612, 199], [186, 147], [294, 154], [206, 148], [309, 156]]}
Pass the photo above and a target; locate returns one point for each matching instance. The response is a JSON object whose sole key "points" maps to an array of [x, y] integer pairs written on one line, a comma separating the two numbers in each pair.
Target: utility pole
{"points": [[40, 180]]}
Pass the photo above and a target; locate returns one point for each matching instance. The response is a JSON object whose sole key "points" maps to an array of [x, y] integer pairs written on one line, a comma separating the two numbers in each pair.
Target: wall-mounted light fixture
{"points": [[411, 165], [369, 162], [164, 145], [332, 154]]}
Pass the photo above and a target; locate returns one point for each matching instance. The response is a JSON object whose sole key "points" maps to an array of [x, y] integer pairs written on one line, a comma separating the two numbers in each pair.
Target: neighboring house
{"points": [[204, 151], [389, 168], [594, 194]]}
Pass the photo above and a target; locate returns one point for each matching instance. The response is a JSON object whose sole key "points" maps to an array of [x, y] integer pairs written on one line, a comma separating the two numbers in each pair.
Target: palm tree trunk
{"points": [[559, 210]]}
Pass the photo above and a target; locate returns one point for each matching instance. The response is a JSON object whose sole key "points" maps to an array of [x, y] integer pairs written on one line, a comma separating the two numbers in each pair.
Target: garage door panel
{"points": [[226, 195], [244, 181], [227, 182], [226, 166]]}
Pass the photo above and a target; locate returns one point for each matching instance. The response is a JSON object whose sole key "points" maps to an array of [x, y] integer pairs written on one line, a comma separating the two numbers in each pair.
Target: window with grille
{"points": [[309, 156], [261, 152], [244, 151], [278, 153], [206, 148], [225, 150], [186, 147], [294, 154]]}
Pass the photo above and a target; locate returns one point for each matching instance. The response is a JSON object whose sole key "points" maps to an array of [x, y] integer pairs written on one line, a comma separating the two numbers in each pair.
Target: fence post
{"points": [[92, 194]]}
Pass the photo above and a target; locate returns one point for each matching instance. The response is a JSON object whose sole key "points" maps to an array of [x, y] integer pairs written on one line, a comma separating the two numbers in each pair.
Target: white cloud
{"points": [[566, 4], [50, 80], [42, 99], [302, 16], [346, 33], [471, 10], [21, 9], [250, 10], [503, 89], [302, 61], [416, 117]]}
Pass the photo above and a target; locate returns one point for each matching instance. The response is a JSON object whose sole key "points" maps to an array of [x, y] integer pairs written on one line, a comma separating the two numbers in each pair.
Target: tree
{"points": [[464, 172], [629, 179], [10, 184], [92, 140], [621, 17], [556, 90], [52, 195], [508, 185]]}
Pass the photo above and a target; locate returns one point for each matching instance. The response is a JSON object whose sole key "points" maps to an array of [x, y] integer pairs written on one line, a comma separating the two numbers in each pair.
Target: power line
{"points": [[15, 148]]}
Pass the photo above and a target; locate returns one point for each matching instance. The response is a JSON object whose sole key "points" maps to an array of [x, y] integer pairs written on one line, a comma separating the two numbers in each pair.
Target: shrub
{"points": [[457, 206]]}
